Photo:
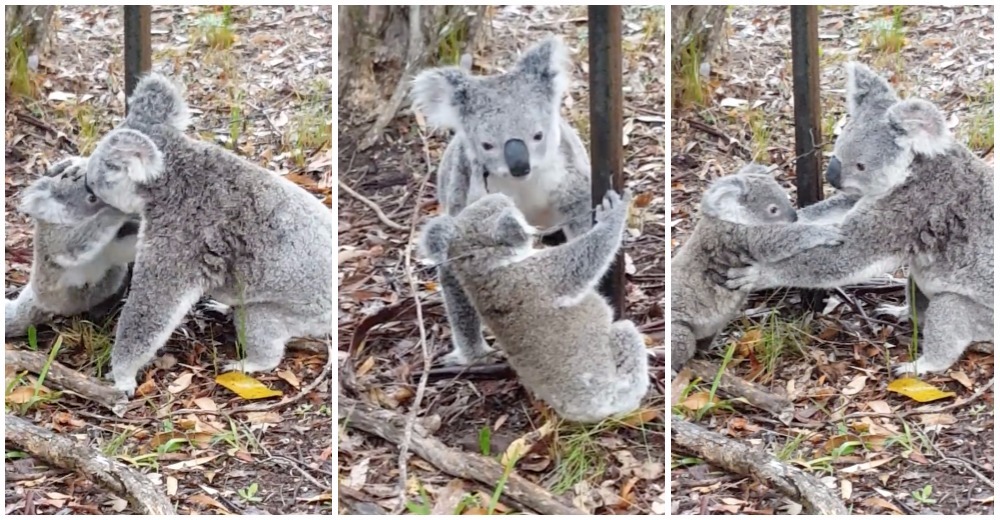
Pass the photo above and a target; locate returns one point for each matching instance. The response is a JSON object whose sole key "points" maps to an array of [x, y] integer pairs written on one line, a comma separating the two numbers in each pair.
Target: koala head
{"points": [[61, 196], [123, 161], [749, 196], [882, 136], [509, 123], [492, 223]]}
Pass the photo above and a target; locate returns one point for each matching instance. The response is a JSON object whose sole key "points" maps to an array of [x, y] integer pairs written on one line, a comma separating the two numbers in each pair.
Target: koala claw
{"points": [[896, 311], [920, 367], [743, 278], [457, 356], [126, 386]]}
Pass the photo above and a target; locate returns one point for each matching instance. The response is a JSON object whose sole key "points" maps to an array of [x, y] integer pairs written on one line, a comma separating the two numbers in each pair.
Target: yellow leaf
{"points": [[523, 445], [918, 390], [245, 386], [23, 394], [697, 400]]}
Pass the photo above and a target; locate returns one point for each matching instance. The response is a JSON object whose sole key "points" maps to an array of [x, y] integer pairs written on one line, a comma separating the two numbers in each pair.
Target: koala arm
{"points": [[828, 211], [775, 242], [872, 244], [575, 268], [87, 240]]}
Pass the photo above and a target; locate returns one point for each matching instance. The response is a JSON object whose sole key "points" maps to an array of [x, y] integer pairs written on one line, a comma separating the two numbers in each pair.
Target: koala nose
{"points": [[793, 216], [516, 154], [833, 172]]}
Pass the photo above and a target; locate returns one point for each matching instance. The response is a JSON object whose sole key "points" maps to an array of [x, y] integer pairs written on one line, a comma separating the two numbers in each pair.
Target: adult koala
{"points": [[212, 223], [927, 202], [509, 138]]}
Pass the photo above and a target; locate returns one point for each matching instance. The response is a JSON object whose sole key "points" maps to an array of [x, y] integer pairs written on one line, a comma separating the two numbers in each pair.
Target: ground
{"points": [[613, 468], [258, 80], [834, 365]]}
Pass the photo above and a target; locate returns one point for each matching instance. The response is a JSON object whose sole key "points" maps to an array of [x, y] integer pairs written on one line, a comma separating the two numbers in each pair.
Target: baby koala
{"points": [[82, 248], [747, 214], [549, 320]]}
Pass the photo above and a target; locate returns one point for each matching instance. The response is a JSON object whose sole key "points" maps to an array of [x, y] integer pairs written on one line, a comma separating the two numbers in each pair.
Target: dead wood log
{"points": [[69, 380], [390, 425], [741, 459], [733, 386], [66, 453]]}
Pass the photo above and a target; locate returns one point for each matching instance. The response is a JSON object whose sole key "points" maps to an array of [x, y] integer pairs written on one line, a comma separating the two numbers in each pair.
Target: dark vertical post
{"points": [[604, 30], [137, 46], [805, 86]]}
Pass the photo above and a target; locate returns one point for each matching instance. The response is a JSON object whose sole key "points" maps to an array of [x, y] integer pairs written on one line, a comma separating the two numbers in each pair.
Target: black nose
{"points": [[516, 154], [833, 172]]}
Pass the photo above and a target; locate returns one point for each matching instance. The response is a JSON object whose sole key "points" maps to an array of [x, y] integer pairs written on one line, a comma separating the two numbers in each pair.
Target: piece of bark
{"points": [[389, 426], [741, 459], [111, 475], [70, 380], [732, 386]]}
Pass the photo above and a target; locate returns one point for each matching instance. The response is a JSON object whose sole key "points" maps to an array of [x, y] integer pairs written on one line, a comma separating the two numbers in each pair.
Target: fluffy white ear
{"points": [[435, 237], [439, 94], [548, 63], [921, 127], [134, 152], [721, 200], [38, 203], [867, 90]]}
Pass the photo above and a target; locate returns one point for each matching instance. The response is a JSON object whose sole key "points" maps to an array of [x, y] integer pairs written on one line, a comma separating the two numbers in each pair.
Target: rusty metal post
{"points": [[604, 32], [138, 56], [808, 137]]}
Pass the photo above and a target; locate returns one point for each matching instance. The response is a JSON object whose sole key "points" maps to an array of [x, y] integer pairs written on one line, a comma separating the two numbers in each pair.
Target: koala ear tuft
{"points": [[439, 94], [867, 90], [135, 151], [547, 62], [921, 127], [753, 168], [38, 202], [435, 237], [722, 199], [511, 229]]}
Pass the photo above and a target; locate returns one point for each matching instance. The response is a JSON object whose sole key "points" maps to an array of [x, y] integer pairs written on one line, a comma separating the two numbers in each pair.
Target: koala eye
{"points": [[538, 136], [861, 167], [487, 146], [773, 209], [91, 199]]}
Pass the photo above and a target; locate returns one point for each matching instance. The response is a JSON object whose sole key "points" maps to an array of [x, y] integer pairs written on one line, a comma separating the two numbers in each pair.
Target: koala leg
{"points": [[266, 334], [952, 323], [631, 359], [160, 298], [683, 345], [466, 332], [914, 297], [22, 312]]}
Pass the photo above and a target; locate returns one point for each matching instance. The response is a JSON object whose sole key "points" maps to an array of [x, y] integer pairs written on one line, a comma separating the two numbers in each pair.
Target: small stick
{"points": [[367, 202], [736, 387], [69, 380]]}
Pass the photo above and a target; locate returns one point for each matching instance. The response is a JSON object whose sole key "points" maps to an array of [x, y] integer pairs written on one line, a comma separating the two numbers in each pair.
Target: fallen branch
{"points": [[733, 386], [390, 425], [69, 380], [491, 371], [367, 202], [66, 453], [739, 458]]}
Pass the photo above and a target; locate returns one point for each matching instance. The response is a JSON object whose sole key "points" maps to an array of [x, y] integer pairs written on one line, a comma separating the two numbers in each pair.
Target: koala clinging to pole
{"points": [[82, 248], [747, 214], [509, 138], [927, 202], [555, 329], [212, 223]]}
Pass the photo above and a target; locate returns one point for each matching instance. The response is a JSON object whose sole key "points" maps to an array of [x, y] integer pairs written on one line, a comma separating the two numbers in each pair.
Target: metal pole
{"points": [[808, 137], [137, 46], [604, 29]]}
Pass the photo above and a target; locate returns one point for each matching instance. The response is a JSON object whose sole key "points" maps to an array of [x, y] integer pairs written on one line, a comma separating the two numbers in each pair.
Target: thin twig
{"points": [[378, 211], [404, 447]]}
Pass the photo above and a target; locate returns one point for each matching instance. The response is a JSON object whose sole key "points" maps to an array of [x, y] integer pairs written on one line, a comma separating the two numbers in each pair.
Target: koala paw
{"points": [[458, 357], [247, 367], [125, 385], [613, 206], [743, 278], [896, 311], [920, 367], [827, 236]]}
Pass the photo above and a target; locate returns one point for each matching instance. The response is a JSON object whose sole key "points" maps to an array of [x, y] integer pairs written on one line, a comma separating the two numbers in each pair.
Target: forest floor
{"points": [[258, 82], [611, 468], [872, 447]]}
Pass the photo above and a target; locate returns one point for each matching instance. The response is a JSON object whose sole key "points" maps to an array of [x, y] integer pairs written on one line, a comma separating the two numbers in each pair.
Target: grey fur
{"points": [[212, 224], [554, 327], [514, 107], [927, 202], [82, 248], [745, 215]]}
